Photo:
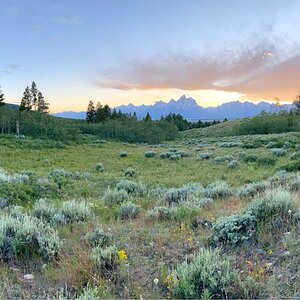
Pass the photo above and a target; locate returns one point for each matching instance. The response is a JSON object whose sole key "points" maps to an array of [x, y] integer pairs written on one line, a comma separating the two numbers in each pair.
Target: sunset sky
{"points": [[141, 51]]}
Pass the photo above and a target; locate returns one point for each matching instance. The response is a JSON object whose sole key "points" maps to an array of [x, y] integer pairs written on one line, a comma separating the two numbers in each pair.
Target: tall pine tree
{"points": [[1, 98], [34, 94], [42, 106], [26, 102], [148, 118], [91, 113]]}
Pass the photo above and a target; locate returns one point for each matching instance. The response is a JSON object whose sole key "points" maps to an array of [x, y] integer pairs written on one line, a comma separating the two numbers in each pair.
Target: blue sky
{"points": [[138, 51]]}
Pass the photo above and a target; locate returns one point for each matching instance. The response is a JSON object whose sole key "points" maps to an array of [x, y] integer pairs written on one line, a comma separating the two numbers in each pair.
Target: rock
{"points": [[28, 276]]}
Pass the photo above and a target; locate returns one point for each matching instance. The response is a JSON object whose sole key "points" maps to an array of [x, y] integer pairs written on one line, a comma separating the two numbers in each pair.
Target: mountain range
{"points": [[189, 108]]}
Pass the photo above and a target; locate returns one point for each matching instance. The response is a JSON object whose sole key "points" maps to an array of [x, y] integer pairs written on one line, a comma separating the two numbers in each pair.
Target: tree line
{"points": [[33, 99], [100, 114], [266, 123]]}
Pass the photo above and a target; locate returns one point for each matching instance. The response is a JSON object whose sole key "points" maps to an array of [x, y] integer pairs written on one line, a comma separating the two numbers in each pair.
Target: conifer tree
{"points": [[42, 106], [148, 118], [34, 94], [26, 102], [297, 104], [1, 98], [91, 113]]}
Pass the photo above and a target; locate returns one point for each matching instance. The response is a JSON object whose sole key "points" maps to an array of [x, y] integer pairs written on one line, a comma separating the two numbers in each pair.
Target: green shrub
{"points": [[99, 167], [278, 152], [175, 157], [275, 204], [295, 155], [14, 178], [22, 234], [205, 155], [219, 159], [161, 213], [164, 155], [252, 189], [45, 188], [271, 145], [292, 167], [44, 209], [150, 154], [229, 157], [280, 178], [114, 197], [130, 172], [210, 272], [197, 203], [76, 211], [183, 153], [89, 294], [242, 154], [16, 193], [123, 154], [250, 158], [233, 229], [59, 219], [105, 258], [174, 196], [134, 189], [234, 164], [60, 173], [98, 237], [266, 161], [218, 190], [294, 185], [287, 145], [253, 145], [129, 210]]}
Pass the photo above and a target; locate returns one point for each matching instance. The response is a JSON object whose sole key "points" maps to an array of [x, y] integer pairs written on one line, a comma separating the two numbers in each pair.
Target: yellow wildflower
{"points": [[169, 281], [122, 255]]}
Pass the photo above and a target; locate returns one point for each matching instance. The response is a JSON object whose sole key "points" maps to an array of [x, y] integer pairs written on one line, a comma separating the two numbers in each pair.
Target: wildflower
{"points": [[122, 255], [155, 280], [169, 281], [289, 211]]}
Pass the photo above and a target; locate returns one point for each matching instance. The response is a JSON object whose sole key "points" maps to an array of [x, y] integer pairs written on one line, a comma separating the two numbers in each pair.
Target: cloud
{"points": [[72, 20], [261, 72], [9, 69], [13, 66]]}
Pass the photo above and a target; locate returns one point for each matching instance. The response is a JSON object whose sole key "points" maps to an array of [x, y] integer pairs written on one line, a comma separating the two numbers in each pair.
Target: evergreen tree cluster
{"points": [[183, 124], [100, 114], [33, 99]]}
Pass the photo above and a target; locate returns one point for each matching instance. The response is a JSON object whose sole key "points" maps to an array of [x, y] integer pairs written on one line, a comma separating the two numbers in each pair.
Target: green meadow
{"points": [[198, 217]]}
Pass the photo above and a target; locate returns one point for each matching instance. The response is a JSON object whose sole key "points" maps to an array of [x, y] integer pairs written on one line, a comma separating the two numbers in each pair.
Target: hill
{"points": [[222, 129]]}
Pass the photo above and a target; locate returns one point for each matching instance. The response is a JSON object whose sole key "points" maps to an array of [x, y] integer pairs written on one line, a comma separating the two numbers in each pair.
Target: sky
{"points": [[141, 51]]}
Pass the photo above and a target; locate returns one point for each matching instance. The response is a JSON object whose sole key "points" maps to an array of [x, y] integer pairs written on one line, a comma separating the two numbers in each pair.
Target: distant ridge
{"points": [[189, 109]]}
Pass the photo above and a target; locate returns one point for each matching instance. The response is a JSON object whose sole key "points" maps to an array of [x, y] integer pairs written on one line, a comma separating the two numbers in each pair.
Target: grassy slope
{"points": [[222, 129]]}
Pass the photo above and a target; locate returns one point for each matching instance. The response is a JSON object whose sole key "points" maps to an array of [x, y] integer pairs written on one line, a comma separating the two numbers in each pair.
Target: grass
{"points": [[154, 248]]}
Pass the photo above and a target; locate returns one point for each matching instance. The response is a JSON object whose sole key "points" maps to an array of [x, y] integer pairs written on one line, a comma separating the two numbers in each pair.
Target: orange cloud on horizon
{"points": [[262, 72]]}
